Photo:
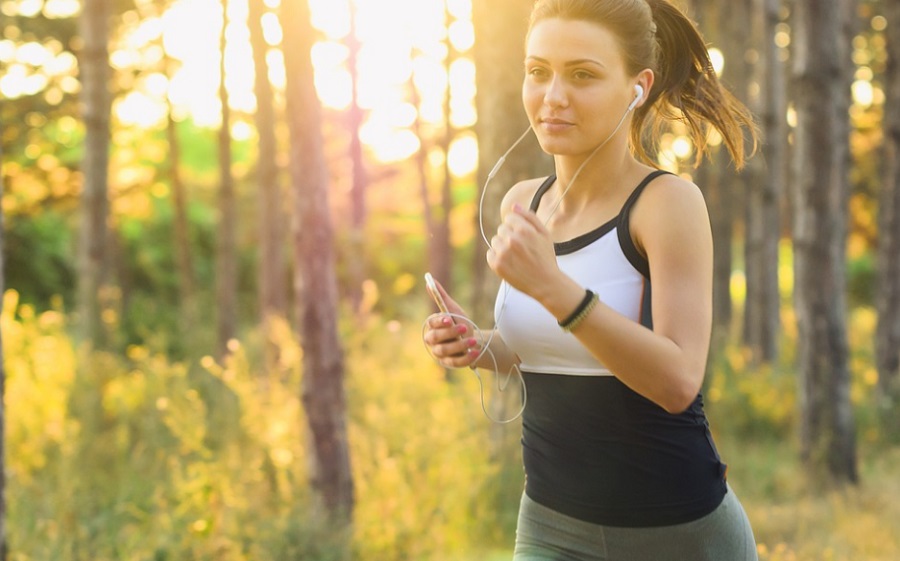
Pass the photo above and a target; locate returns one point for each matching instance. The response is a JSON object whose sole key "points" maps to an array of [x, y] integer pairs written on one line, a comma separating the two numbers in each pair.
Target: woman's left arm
{"points": [[670, 224]]}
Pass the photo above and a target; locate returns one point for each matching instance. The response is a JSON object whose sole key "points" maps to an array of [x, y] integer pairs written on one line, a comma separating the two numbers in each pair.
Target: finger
{"points": [[528, 216]]}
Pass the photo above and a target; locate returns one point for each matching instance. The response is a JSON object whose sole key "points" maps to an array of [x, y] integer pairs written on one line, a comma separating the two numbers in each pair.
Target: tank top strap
{"points": [[637, 260], [545, 186]]}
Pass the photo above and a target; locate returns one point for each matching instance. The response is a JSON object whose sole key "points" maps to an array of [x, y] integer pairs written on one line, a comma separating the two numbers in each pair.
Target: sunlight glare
{"points": [[462, 35], [138, 109], [718, 60], [30, 8], [334, 87], [462, 158], [58, 9], [271, 29], [863, 93], [460, 9], [7, 51], [332, 17]]}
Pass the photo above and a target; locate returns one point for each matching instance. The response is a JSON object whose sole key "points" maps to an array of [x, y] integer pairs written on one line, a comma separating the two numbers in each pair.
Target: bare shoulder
{"points": [[521, 193], [670, 208]]}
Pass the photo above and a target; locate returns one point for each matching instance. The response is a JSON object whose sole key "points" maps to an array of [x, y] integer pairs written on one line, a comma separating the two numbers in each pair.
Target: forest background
{"points": [[211, 324]]}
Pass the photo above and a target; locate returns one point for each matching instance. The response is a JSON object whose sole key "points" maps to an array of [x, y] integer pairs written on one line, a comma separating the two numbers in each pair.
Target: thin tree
{"points": [[93, 259], [323, 393], [359, 176], [272, 269], [499, 55], [887, 337], [764, 194], [3, 546], [181, 224], [719, 183], [226, 247], [820, 193]]}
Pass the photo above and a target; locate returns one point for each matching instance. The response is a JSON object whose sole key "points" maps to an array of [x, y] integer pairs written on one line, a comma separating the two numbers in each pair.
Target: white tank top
{"points": [[604, 261]]}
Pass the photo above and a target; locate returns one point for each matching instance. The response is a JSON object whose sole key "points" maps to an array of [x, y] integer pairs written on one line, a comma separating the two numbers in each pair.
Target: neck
{"points": [[596, 174]]}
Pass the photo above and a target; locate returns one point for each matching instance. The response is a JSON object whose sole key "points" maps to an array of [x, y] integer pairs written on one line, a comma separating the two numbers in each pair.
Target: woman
{"points": [[619, 460]]}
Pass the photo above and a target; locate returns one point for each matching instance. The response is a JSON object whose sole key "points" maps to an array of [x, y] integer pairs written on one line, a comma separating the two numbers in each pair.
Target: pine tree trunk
{"points": [[93, 259], [820, 227], [226, 255], [181, 227], [762, 307], [359, 180], [499, 59], [323, 361], [272, 270], [888, 286], [718, 182], [3, 546]]}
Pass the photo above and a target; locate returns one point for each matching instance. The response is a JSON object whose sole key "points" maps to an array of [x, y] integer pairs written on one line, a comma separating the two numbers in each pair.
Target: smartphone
{"points": [[435, 293]]}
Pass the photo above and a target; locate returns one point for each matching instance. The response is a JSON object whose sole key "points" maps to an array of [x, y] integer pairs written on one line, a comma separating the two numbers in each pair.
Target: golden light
{"points": [[57, 9], [863, 93], [462, 158], [718, 60]]}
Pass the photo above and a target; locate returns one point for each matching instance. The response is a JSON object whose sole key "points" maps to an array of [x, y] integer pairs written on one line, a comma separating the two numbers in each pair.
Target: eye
{"points": [[582, 75], [537, 72]]}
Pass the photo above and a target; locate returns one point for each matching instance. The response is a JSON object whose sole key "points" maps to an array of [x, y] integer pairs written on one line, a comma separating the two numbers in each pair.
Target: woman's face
{"points": [[576, 87]]}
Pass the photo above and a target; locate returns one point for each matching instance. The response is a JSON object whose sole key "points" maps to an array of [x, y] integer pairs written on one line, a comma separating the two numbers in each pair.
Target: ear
{"points": [[645, 82]]}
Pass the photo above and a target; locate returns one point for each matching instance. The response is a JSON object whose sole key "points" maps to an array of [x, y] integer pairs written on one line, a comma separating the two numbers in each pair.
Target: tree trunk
{"points": [[226, 258], [820, 193], [888, 288], [3, 546], [718, 182], [357, 262], [181, 226], [323, 362], [93, 259], [272, 290], [762, 307], [499, 56]]}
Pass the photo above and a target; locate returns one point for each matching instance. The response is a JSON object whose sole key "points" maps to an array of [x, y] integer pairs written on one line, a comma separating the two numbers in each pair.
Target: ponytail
{"points": [[688, 90]]}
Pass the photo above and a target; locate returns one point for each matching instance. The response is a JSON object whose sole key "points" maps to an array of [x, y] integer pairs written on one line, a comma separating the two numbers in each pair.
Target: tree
{"points": [[323, 393], [93, 260], [3, 547], [360, 179], [820, 195], [499, 56], [272, 292], [888, 289], [226, 247], [763, 228]]}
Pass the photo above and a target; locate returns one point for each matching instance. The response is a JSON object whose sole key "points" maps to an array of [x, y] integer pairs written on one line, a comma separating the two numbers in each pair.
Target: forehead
{"points": [[561, 40]]}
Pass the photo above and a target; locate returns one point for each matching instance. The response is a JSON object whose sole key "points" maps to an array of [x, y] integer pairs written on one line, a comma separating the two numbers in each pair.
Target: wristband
{"points": [[584, 308]]}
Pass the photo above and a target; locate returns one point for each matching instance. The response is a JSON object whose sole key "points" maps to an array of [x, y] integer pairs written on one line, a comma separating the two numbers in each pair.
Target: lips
{"points": [[555, 121], [555, 125]]}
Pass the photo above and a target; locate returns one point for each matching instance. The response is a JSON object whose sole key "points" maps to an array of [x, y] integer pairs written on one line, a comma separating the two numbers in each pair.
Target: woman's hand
{"points": [[522, 252], [452, 340]]}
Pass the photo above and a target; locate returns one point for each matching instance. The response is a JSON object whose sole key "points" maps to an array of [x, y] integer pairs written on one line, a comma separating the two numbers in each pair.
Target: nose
{"points": [[555, 95]]}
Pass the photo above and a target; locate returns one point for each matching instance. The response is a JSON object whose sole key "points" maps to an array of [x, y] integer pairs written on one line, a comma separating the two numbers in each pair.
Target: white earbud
{"points": [[638, 96]]}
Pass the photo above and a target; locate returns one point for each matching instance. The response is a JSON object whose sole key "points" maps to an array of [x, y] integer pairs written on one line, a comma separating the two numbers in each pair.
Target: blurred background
{"points": [[216, 215]]}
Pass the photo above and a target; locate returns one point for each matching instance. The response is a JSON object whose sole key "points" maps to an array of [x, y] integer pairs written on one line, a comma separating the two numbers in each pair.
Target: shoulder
{"points": [[671, 209], [521, 193]]}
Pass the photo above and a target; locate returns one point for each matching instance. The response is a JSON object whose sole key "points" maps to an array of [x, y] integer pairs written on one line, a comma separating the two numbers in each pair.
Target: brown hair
{"points": [[655, 34]]}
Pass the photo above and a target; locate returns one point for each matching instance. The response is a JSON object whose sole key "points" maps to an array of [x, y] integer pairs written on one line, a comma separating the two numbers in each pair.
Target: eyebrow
{"points": [[569, 63]]}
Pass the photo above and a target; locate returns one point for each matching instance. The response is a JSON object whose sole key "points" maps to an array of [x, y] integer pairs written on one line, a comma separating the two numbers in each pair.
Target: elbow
{"points": [[681, 398]]}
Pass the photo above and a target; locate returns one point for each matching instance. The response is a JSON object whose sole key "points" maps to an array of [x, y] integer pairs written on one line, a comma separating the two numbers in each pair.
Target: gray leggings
{"points": [[722, 535]]}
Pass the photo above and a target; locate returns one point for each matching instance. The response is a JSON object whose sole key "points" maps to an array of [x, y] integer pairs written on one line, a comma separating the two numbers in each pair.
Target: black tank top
{"points": [[596, 450]]}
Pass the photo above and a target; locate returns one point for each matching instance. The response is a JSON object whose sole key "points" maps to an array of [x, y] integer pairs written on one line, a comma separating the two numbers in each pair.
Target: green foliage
{"points": [[37, 254]]}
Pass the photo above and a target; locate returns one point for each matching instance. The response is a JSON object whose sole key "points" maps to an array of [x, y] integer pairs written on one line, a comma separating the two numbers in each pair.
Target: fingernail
{"points": [[461, 329], [446, 321], [472, 342]]}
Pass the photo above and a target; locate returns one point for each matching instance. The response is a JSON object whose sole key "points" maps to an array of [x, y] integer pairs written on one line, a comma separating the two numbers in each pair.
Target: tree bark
{"points": [[499, 55], [181, 229], [762, 307], [93, 258], [718, 182], [272, 269], [3, 546], [820, 194], [888, 268], [226, 254], [359, 180], [323, 361]]}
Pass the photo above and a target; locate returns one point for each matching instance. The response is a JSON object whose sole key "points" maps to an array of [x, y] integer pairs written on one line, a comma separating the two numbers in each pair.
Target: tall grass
{"points": [[137, 456]]}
